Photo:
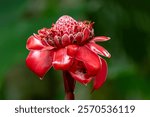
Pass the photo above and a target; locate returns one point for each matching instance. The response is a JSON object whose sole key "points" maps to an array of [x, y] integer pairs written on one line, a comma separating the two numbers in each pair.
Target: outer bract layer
{"points": [[69, 45]]}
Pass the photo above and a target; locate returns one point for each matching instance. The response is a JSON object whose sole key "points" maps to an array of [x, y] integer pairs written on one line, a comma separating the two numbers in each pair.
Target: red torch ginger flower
{"points": [[69, 46]]}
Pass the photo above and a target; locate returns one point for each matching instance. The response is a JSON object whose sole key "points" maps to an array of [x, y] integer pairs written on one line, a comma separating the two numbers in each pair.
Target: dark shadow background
{"points": [[127, 22]]}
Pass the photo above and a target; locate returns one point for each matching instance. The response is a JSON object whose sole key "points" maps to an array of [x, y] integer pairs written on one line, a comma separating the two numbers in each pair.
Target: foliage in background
{"points": [[126, 22]]}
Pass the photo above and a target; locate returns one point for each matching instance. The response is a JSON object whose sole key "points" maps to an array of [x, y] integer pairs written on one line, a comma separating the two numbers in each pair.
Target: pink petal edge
{"points": [[98, 49], [100, 38]]}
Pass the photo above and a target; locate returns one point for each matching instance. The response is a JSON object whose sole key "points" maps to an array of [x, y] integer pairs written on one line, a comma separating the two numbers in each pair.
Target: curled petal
{"points": [[90, 59], [61, 60], [101, 76], [40, 62], [98, 49], [78, 72], [34, 43], [80, 77], [101, 39]]}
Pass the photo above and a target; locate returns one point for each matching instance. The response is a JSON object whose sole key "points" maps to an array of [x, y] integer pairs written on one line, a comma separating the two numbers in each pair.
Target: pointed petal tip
{"points": [[65, 40], [85, 84], [109, 55], [101, 38], [34, 43], [98, 49], [78, 37], [86, 34], [108, 38], [41, 78], [34, 34]]}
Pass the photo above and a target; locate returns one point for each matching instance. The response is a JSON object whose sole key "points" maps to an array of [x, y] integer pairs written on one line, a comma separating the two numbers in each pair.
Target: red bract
{"points": [[69, 46]]}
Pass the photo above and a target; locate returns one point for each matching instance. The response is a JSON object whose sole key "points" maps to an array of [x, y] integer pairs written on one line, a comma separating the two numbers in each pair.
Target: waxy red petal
{"points": [[40, 62], [101, 39], [101, 76], [72, 50], [61, 60], [98, 49], [34, 43], [90, 59]]}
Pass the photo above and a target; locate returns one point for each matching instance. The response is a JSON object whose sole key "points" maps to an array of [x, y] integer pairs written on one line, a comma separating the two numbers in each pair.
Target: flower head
{"points": [[69, 45]]}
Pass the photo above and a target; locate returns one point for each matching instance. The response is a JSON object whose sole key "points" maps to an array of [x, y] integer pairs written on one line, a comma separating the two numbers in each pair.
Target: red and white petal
{"points": [[101, 76], [98, 49], [71, 37], [79, 37], [101, 39], [86, 34], [61, 60], [80, 77], [57, 41], [40, 62], [90, 60], [65, 40], [43, 31]]}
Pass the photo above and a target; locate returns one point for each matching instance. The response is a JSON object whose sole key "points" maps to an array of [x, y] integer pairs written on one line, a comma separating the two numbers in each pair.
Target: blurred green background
{"points": [[127, 22]]}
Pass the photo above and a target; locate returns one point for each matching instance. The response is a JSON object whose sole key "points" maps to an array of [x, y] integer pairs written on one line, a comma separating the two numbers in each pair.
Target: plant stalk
{"points": [[69, 85]]}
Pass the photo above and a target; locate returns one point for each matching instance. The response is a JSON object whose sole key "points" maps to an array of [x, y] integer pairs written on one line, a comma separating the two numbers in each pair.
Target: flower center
{"points": [[67, 31], [66, 24]]}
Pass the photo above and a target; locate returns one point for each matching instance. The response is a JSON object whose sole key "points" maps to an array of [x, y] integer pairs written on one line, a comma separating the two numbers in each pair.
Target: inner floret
{"points": [[67, 31]]}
